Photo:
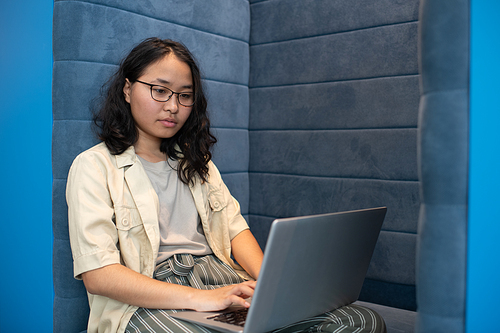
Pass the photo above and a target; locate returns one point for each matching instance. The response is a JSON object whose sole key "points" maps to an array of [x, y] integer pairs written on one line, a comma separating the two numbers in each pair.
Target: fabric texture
{"points": [[208, 272], [113, 219]]}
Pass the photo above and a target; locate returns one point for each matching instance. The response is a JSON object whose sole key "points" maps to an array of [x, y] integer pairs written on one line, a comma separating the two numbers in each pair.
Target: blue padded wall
{"points": [[443, 165], [89, 39], [333, 123]]}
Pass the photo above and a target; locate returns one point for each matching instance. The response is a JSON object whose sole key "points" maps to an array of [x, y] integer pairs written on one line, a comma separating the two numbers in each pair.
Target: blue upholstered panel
{"points": [[371, 153], [387, 102], [333, 123], [71, 307], [291, 19], [288, 195], [105, 34], [228, 104], [89, 39], [220, 17], [82, 83], [376, 52], [443, 165], [59, 214]]}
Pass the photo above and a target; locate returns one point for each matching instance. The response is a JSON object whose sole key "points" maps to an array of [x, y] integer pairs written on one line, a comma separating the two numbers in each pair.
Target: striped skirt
{"points": [[208, 272]]}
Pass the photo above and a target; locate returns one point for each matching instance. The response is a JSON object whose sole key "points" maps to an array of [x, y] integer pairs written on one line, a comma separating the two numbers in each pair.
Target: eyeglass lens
{"points": [[163, 94]]}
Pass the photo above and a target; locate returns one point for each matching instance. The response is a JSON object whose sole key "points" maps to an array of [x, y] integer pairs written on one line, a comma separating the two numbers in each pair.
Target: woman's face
{"points": [[159, 120]]}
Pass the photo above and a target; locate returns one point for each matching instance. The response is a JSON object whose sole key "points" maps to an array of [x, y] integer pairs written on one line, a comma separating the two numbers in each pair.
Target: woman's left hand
{"points": [[221, 298]]}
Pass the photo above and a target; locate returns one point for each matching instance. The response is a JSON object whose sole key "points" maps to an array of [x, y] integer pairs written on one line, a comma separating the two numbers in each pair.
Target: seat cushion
{"points": [[396, 320]]}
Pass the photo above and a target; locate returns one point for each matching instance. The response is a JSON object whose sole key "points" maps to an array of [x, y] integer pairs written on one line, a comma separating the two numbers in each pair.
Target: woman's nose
{"points": [[172, 104]]}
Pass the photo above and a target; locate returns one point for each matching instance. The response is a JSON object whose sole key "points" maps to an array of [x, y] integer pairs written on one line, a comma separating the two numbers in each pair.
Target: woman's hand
{"points": [[221, 298]]}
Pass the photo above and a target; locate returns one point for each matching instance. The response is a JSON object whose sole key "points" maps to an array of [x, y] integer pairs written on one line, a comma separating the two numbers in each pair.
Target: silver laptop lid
{"points": [[313, 264]]}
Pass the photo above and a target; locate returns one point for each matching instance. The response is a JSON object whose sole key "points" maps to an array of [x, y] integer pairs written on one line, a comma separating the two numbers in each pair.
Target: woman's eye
{"points": [[160, 91]]}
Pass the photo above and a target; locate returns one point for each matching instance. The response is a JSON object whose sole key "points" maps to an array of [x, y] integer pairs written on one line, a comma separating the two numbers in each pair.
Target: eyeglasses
{"points": [[163, 94]]}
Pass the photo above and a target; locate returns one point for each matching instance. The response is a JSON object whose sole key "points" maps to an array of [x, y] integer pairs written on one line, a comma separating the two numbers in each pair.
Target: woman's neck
{"points": [[150, 153]]}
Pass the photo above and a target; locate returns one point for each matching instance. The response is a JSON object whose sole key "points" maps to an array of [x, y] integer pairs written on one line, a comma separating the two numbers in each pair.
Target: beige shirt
{"points": [[113, 218]]}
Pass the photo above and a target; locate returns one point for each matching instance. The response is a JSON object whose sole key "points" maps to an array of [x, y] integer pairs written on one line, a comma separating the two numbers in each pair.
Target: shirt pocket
{"points": [[217, 200], [127, 218], [135, 251]]}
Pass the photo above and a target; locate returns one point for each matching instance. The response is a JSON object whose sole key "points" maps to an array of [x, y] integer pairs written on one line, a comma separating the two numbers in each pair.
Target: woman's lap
{"points": [[208, 272]]}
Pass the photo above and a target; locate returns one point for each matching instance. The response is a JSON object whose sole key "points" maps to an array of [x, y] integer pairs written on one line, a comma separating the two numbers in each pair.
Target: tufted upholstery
{"points": [[443, 165], [315, 105], [333, 123]]}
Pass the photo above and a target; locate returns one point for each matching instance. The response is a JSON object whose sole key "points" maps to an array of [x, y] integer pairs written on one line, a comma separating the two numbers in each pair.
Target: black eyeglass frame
{"points": [[169, 97]]}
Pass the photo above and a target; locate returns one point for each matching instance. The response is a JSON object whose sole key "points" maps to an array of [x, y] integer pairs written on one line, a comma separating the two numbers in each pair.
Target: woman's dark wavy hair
{"points": [[116, 127]]}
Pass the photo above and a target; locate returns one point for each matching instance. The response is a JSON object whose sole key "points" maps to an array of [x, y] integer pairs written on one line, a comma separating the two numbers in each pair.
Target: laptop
{"points": [[312, 264]]}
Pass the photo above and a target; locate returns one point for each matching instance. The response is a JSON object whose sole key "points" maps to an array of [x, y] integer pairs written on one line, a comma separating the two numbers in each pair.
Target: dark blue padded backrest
{"points": [[333, 123], [89, 39], [443, 165]]}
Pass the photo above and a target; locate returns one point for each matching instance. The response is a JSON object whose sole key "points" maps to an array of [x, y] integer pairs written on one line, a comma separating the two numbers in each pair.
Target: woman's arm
{"points": [[125, 285], [247, 252]]}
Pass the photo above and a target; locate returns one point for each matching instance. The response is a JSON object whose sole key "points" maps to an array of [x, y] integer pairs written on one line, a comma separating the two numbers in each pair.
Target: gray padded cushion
{"points": [[396, 320]]}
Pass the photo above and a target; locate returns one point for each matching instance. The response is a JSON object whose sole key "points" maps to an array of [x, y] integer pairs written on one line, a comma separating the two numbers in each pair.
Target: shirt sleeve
{"points": [[93, 234], [237, 223]]}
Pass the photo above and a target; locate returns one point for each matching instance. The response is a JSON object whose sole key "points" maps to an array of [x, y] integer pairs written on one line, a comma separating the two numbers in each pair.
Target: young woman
{"points": [[152, 225]]}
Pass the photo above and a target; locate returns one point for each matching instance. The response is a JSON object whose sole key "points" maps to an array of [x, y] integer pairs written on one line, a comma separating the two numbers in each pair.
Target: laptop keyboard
{"points": [[236, 317]]}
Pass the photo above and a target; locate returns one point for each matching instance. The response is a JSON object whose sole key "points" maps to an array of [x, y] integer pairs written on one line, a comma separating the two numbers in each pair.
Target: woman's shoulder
{"points": [[214, 177], [213, 173], [97, 152], [100, 156]]}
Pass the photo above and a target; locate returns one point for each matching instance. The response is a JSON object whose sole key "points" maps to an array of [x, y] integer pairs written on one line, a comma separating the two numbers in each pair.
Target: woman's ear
{"points": [[126, 90]]}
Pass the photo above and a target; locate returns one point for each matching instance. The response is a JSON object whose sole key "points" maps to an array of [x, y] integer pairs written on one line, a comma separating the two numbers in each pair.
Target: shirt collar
{"points": [[127, 158]]}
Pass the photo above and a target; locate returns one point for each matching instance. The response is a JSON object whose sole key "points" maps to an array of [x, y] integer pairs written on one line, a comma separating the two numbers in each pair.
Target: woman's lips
{"points": [[168, 122]]}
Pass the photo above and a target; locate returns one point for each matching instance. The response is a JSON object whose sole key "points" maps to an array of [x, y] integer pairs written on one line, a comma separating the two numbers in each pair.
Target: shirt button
{"points": [[125, 222], [216, 204]]}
